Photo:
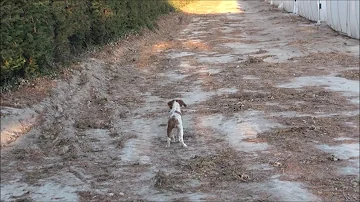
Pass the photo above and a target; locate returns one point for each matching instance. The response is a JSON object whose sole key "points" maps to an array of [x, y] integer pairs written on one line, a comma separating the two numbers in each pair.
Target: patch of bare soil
{"points": [[28, 93], [299, 161], [311, 65], [315, 168], [25, 154], [350, 74], [32, 177], [225, 165], [169, 182], [318, 171], [300, 130], [120, 141], [332, 58], [306, 101], [348, 186], [86, 196]]}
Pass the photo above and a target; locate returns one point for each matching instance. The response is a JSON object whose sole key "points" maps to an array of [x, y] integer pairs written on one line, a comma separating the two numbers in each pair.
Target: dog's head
{"points": [[181, 103]]}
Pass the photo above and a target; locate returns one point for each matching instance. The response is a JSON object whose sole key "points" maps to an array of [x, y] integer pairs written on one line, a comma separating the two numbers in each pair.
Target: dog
{"points": [[175, 121]]}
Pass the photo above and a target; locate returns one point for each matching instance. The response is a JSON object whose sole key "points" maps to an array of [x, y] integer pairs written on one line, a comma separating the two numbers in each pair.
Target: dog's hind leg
{"points": [[177, 135], [169, 129], [181, 136], [173, 137], [168, 142]]}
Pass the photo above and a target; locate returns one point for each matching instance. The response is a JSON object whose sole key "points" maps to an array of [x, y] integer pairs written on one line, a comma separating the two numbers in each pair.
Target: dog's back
{"points": [[175, 120]]}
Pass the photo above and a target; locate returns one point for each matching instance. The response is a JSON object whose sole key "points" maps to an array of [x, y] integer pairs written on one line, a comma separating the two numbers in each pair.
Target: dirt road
{"points": [[272, 115]]}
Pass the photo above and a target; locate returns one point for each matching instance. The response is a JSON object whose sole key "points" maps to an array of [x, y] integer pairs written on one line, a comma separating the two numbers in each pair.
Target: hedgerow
{"points": [[36, 34]]}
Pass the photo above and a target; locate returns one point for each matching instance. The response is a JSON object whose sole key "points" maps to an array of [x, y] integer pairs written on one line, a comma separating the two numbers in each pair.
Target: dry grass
{"points": [[88, 196], [332, 58], [300, 129], [350, 74], [83, 79], [252, 59], [226, 165], [92, 123], [28, 154], [28, 94], [162, 180]]}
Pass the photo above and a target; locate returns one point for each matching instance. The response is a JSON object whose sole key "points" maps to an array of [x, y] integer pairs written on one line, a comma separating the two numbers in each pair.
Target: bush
{"points": [[26, 38], [36, 34]]}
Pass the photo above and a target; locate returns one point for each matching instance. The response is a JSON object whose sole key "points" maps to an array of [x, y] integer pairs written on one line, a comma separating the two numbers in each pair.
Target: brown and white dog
{"points": [[175, 121]]}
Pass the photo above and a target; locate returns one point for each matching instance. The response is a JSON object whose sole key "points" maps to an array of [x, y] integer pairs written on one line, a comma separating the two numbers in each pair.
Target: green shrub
{"points": [[36, 34], [26, 38]]}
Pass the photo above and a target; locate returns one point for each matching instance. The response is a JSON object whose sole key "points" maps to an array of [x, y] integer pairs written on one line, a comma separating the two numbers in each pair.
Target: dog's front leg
{"points": [[173, 136], [179, 135]]}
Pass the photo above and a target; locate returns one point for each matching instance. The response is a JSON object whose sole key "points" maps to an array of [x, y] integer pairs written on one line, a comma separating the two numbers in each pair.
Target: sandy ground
{"points": [[272, 115]]}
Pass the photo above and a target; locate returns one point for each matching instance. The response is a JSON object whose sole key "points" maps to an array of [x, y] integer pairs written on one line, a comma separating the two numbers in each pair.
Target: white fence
{"points": [[341, 15]]}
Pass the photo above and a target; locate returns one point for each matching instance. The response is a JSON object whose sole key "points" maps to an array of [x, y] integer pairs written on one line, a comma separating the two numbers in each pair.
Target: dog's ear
{"points": [[182, 103], [170, 103]]}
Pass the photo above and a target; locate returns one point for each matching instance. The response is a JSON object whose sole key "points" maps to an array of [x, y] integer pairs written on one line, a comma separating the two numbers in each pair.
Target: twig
{"points": [[346, 199], [266, 197]]}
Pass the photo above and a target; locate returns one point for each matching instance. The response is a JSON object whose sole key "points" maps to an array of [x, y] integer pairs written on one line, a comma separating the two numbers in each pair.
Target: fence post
{"points": [[319, 8], [348, 32], [295, 11]]}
